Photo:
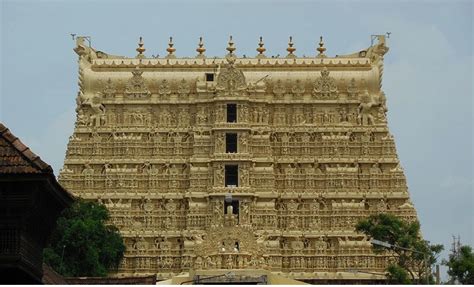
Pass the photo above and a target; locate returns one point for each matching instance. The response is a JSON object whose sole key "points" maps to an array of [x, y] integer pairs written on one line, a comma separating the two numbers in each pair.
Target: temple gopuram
{"points": [[259, 164]]}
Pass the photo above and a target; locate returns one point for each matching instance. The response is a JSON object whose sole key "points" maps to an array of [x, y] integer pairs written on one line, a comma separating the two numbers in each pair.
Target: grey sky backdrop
{"points": [[428, 77]]}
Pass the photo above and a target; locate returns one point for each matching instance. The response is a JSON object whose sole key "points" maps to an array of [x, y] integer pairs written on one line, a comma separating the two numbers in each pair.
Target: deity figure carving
{"points": [[164, 89], [382, 205], [367, 136], [136, 87], [244, 113], [82, 119], [208, 263], [138, 118], [96, 143], [184, 117], [245, 212], [148, 205], [171, 206], [140, 244], [220, 143], [97, 116], [375, 169], [165, 118], [219, 175], [343, 115], [352, 90], [198, 263], [298, 117], [365, 110], [255, 115], [220, 114], [217, 213], [292, 205], [326, 118], [244, 176], [243, 146], [280, 118], [109, 90], [298, 88], [305, 139], [381, 115], [265, 116], [201, 117], [230, 80], [183, 89], [325, 86], [279, 89]]}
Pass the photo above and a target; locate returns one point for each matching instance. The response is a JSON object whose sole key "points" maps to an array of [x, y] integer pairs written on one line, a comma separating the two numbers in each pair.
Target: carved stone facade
{"points": [[237, 163]]}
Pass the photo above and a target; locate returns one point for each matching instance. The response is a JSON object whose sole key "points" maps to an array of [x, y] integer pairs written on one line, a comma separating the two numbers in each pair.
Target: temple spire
{"points": [[261, 49], [321, 48], [291, 49], [141, 49], [200, 49], [170, 49]]}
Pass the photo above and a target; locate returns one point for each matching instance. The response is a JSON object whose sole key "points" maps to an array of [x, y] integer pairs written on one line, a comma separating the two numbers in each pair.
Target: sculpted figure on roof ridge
{"points": [[230, 81], [136, 87], [325, 86]]}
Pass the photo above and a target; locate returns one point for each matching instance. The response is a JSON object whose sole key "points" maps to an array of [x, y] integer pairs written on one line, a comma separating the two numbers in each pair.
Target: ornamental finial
{"points": [[290, 48], [261, 49], [170, 49], [200, 49], [141, 49], [230, 47], [321, 48]]}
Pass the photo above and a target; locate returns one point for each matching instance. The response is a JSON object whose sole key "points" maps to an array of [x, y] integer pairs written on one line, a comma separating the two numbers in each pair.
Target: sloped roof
{"points": [[51, 277], [16, 157], [132, 280]]}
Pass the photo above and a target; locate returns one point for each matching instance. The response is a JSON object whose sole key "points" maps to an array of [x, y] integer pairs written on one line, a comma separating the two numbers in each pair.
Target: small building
{"points": [[30, 202]]}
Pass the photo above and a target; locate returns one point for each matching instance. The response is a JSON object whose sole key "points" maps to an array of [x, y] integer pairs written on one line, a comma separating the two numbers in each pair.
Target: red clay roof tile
{"points": [[16, 157]]}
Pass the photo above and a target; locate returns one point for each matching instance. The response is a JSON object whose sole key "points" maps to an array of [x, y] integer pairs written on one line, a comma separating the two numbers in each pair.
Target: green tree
{"points": [[409, 267], [83, 244], [461, 265], [397, 275]]}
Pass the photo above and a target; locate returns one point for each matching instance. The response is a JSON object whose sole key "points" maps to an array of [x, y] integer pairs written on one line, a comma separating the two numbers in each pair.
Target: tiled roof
{"points": [[16, 157], [50, 277], [138, 280]]}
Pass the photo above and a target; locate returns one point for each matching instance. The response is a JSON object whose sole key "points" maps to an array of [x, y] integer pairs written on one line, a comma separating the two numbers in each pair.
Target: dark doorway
{"points": [[231, 175], [230, 143], [231, 113]]}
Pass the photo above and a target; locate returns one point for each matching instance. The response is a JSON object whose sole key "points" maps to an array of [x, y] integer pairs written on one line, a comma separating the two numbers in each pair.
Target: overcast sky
{"points": [[427, 76]]}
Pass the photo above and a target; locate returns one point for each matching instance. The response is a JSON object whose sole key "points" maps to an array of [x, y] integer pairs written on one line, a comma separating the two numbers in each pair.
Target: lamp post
{"points": [[391, 246]]}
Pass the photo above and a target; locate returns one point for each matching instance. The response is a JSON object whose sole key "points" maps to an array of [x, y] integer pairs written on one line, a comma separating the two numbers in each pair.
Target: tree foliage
{"points": [[461, 265], [397, 275], [410, 266], [82, 244]]}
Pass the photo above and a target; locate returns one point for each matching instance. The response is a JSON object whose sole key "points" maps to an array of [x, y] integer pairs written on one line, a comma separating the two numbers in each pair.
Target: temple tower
{"points": [[237, 162]]}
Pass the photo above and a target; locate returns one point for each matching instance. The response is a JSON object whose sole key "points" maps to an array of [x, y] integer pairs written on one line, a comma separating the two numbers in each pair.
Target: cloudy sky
{"points": [[427, 77]]}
